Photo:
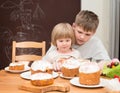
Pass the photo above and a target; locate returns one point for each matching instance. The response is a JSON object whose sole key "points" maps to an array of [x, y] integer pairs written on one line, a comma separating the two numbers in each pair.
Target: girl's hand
{"points": [[57, 66]]}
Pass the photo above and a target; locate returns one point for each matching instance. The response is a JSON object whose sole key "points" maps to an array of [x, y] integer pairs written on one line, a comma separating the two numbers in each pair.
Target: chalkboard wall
{"points": [[31, 20]]}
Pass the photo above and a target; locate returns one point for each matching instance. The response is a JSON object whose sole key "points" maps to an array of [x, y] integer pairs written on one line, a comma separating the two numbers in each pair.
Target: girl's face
{"points": [[64, 44], [81, 35]]}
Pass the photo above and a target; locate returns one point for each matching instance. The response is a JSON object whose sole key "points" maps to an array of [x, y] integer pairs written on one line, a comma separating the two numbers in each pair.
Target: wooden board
{"points": [[63, 87]]}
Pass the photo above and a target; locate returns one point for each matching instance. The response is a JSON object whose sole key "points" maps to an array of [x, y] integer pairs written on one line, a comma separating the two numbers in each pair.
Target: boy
{"points": [[89, 46]]}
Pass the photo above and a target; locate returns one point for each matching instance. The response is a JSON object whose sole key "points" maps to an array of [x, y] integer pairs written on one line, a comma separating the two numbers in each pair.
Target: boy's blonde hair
{"points": [[62, 30], [88, 20]]}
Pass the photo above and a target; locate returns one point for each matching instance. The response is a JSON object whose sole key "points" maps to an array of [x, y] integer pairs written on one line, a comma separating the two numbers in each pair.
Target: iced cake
{"points": [[42, 79], [41, 66], [89, 73], [70, 67]]}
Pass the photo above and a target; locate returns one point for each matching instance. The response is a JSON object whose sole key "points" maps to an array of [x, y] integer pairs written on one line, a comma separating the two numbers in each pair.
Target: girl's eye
{"points": [[60, 40], [67, 40]]}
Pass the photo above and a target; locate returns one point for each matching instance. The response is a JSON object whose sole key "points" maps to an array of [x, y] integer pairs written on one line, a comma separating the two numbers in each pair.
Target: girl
{"points": [[62, 38]]}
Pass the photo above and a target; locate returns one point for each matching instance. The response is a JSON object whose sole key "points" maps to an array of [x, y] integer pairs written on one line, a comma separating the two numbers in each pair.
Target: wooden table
{"points": [[10, 82]]}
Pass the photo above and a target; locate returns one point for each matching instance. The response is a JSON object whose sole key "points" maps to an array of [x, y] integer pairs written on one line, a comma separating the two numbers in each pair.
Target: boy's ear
{"points": [[73, 25], [93, 33]]}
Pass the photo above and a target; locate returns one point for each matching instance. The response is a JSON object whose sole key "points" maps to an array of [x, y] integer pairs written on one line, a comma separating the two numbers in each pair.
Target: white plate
{"points": [[61, 75], [75, 81], [27, 75], [17, 71]]}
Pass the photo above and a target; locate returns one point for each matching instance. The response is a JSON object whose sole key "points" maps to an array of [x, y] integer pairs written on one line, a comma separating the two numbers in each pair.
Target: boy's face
{"points": [[81, 35]]}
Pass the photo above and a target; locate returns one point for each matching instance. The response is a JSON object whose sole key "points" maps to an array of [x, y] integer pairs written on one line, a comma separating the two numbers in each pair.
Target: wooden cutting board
{"points": [[38, 89]]}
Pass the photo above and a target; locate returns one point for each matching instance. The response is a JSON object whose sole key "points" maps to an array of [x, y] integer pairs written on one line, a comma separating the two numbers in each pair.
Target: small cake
{"points": [[16, 66], [41, 66], [70, 67], [89, 73], [42, 79], [112, 68]]}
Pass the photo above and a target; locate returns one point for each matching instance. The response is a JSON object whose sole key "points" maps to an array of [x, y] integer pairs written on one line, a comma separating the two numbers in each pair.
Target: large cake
{"points": [[70, 67], [89, 73], [41, 66], [112, 68], [42, 79]]}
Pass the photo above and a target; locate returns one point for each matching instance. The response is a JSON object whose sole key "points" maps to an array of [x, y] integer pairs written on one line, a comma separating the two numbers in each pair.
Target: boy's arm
{"points": [[101, 52]]}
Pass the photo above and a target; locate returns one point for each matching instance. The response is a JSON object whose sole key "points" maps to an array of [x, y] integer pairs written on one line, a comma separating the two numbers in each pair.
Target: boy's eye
{"points": [[87, 34], [83, 33], [79, 32]]}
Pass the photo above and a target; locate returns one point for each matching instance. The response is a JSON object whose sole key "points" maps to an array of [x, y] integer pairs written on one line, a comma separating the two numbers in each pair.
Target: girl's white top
{"points": [[54, 55]]}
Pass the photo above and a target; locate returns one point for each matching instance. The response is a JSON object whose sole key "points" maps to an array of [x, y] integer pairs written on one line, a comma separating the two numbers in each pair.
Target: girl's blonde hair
{"points": [[62, 30]]}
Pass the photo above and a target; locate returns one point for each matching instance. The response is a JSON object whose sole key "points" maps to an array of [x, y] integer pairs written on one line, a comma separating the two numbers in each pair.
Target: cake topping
{"points": [[41, 76], [15, 64], [41, 65], [71, 63], [24, 62], [89, 67]]}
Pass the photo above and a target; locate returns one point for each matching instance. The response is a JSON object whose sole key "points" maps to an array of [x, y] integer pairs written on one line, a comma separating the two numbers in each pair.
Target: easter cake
{"points": [[89, 74], [42, 79], [41, 66], [70, 67]]}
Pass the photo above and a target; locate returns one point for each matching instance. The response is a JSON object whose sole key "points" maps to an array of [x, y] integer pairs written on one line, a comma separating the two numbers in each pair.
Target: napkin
{"points": [[113, 85]]}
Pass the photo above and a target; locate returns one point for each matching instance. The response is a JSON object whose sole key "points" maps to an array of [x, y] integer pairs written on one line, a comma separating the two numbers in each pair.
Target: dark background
{"points": [[31, 20]]}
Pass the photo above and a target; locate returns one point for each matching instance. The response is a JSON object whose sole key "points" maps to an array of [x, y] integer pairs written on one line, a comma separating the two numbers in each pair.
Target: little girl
{"points": [[62, 38]]}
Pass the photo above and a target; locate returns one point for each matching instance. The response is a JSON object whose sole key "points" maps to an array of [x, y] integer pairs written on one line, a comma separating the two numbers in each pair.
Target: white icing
{"points": [[24, 62], [89, 67], [71, 63], [41, 65], [41, 76], [15, 64]]}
